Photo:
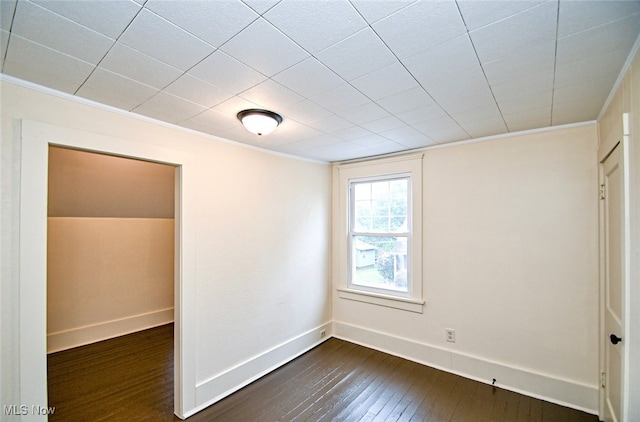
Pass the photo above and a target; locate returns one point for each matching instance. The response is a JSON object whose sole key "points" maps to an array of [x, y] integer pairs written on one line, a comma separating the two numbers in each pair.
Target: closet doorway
{"points": [[110, 249]]}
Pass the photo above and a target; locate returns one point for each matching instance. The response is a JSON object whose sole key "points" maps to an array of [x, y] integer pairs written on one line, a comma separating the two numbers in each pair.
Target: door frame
{"points": [[35, 140], [623, 144]]}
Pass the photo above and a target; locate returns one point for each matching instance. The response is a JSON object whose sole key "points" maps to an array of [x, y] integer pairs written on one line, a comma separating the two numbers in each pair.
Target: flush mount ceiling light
{"points": [[260, 122]]}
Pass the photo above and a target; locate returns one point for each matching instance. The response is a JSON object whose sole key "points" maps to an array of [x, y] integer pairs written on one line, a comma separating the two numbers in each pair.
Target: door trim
{"points": [[35, 140], [623, 143]]}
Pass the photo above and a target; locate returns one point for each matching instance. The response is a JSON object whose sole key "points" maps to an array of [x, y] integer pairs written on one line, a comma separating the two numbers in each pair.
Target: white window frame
{"points": [[402, 166]]}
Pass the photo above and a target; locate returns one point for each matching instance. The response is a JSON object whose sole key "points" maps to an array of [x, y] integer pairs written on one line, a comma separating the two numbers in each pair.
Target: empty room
{"points": [[240, 210]]}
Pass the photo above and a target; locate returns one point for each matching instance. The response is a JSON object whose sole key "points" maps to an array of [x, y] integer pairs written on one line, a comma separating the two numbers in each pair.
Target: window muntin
{"points": [[379, 234]]}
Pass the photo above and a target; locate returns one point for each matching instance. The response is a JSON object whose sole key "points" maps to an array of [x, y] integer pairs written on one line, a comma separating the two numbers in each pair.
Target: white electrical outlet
{"points": [[450, 335], [323, 333]]}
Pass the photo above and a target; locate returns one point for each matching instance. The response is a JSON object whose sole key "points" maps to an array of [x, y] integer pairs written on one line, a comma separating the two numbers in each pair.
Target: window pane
{"points": [[380, 206], [380, 262]]}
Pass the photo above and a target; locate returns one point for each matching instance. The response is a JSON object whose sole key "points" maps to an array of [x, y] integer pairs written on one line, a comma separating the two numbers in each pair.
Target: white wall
{"points": [[510, 262], [107, 277], [259, 250]]}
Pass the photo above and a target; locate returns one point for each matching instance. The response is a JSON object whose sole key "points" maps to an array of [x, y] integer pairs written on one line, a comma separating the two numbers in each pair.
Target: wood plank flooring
{"points": [[130, 378]]}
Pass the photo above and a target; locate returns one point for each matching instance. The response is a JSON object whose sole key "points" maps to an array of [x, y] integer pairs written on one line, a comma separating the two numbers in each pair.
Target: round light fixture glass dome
{"points": [[260, 122]]}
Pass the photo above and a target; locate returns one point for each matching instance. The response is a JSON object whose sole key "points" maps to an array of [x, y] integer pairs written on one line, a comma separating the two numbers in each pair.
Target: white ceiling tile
{"points": [[420, 26], [482, 128], [44, 66], [310, 143], [457, 54], [226, 72], [440, 61], [522, 31], [331, 123], [525, 62], [468, 83], [423, 114], [271, 95], [444, 129], [477, 14], [264, 48], [384, 124], [233, 106], [340, 98], [524, 87], [169, 108], [387, 81], [373, 140], [530, 119], [211, 121], [476, 99], [378, 145], [408, 137], [7, 9], [597, 72], [260, 6], [308, 78], [157, 37], [520, 104], [577, 93], [109, 88], [357, 55], [108, 18], [353, 132], [480, 122], [337, 152], [195, 17], [581, 110], [578, 16], [51, 30], [414, 98], [364, 113], [305, 112], [598, 41], [138, 66], [198, 91], [488, 112], [291, 131], [374, 10], [4, 43], [313, 25]]}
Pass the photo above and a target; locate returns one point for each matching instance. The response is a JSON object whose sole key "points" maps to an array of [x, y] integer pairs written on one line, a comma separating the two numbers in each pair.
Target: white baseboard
{"points": [[63, 340], [227, 382], [531, 383]]}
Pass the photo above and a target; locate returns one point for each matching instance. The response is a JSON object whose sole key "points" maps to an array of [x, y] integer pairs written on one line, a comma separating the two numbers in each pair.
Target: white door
{"points": [[613, 220]]}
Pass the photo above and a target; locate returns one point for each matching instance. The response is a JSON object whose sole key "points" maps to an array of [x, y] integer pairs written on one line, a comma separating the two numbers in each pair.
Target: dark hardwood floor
{"points": [[130, 378]]}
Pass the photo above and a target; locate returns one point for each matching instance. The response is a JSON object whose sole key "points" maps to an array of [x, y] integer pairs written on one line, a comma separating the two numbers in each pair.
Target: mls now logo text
{"points": [[15, 410]]}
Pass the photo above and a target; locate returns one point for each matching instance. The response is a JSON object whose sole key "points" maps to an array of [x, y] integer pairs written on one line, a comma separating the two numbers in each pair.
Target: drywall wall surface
{"points": [[83, 184], [255, 250], [107, 277], [510, 263]]}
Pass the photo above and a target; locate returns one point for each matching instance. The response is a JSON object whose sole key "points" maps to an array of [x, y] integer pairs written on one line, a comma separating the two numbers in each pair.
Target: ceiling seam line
{"points": [[115, 41], [555, 63], [416, 81], [13, 17], [484, 73]]}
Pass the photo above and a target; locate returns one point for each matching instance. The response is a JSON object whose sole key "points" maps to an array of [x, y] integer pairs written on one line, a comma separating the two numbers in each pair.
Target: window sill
{"points": [[389, 301]]}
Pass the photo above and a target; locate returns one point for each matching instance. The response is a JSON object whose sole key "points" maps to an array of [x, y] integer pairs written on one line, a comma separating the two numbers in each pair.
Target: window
{"points": [[380, 243], [379, 233]]}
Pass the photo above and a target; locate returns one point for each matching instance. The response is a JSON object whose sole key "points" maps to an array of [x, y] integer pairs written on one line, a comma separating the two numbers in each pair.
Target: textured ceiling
{"points": [[351, 78]]}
